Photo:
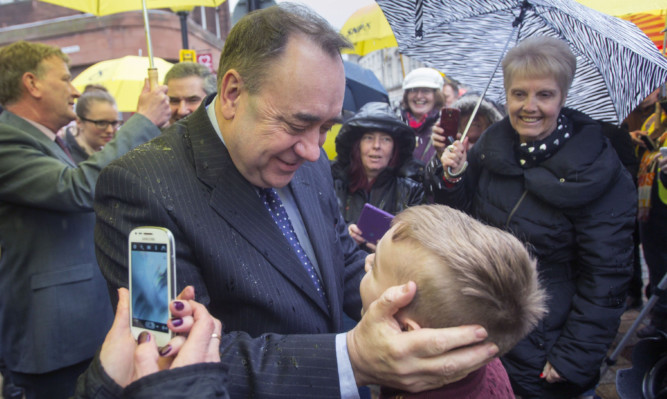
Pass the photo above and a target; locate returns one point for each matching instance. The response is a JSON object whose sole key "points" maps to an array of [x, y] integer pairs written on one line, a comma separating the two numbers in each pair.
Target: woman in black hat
{"points": [[372, 147]]}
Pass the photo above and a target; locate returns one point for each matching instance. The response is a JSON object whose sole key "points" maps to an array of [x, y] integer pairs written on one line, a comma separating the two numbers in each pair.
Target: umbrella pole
{"points": [[488, 84], [517, 22], [152, 71]]}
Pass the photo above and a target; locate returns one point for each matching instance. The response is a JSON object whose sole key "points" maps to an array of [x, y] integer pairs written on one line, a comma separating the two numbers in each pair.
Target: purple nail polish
{"points": [[176, 322], [165, 350], [144, 337], [179, 305]]}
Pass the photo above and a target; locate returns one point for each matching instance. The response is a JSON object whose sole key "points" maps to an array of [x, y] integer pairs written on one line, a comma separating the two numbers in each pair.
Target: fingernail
{"points": [[405, 288], [176, 322], [165, 350], [144, 337], [541, 375], [493, 350], [481, 333], [179, 305]]}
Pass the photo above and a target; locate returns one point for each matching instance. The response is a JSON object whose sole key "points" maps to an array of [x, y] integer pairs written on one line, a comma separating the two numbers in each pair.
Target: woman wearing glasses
{"points": [[96, 125]]}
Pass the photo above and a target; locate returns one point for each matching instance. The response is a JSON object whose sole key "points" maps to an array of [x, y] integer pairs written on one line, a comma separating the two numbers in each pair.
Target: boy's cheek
{"points": [[365, 293]]}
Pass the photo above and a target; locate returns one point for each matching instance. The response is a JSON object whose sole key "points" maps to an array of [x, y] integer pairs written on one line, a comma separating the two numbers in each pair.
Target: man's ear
{"points": [[230, 91], [30, 83]]}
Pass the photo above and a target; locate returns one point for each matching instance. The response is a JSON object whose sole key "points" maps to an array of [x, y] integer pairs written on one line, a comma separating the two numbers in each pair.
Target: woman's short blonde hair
{"points": [[540, 56]]}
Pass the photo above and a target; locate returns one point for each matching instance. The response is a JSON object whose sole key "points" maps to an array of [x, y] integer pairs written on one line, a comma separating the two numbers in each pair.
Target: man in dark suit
{"points": [[52, 314], [280, 89]]}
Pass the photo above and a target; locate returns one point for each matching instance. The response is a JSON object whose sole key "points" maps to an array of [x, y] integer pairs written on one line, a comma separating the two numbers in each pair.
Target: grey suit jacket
{"points": [[230, 249], [53, 307]]}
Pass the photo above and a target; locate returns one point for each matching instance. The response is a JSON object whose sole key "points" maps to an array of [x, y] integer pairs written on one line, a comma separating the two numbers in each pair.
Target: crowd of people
{"points": [[504, 273]]}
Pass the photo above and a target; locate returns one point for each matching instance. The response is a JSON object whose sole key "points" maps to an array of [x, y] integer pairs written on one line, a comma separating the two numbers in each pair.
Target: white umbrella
{"points": [[617, 65]]}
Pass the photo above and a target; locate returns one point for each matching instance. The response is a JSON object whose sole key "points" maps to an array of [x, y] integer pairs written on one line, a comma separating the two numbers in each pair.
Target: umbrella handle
{"points": [[152, 78]]}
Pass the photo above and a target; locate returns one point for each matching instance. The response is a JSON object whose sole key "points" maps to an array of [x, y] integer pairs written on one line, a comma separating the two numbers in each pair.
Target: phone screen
{"points": [[150, 288]]}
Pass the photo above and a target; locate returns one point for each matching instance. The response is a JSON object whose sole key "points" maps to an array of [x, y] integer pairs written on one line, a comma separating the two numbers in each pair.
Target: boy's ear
{"points": [[406, 322]]}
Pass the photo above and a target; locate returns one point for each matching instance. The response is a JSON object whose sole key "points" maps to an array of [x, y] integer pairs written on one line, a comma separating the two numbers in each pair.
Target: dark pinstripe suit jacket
{"points": [[230, 249]]}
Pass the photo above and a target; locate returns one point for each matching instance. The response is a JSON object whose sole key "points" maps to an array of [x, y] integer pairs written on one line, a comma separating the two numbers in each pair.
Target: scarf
{"points": [[532, 153], [648, 168], [414, 123]]}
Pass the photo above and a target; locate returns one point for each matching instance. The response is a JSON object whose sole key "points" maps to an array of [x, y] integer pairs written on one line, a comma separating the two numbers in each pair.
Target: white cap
{"points": [[423, 77]]}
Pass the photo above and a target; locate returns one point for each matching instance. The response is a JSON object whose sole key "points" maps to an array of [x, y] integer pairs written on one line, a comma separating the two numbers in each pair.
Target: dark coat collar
{"points": [[578, 172]]}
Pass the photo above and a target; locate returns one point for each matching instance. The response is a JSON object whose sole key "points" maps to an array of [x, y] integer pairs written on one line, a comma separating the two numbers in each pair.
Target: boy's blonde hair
{"points": [[468, 273]]}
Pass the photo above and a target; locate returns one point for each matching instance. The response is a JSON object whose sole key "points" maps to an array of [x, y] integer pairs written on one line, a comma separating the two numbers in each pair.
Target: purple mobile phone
{"points": [[373, 223]]}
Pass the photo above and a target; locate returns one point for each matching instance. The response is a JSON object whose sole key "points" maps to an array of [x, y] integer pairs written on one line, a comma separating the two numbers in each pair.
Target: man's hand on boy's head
{"points": [[414, 361]]}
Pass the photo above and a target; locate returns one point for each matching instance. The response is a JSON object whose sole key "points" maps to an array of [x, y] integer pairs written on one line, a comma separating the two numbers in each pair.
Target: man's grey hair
{"points": [[261, 36], [187, 69]]}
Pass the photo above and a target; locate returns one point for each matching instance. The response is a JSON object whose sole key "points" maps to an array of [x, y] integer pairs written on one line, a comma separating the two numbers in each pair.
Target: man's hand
{"points": [[154, 104], [414, 361]]}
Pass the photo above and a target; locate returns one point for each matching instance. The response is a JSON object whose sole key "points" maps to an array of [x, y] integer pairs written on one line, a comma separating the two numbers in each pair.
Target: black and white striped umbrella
{"points": [[617, 65]]}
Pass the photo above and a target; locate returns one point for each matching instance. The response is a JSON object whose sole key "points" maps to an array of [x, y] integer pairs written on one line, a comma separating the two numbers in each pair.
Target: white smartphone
{"points": [[152, 269], [663, 151]]}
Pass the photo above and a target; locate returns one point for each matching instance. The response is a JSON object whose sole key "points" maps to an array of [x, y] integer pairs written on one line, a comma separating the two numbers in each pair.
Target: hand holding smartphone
{"points": [[650, 145], [663, 152], [152, 281], [373, 223], [449, 122]]}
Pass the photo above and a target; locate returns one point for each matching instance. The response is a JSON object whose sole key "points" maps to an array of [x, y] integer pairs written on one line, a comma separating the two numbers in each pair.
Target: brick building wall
{"points": [[88, 39]]}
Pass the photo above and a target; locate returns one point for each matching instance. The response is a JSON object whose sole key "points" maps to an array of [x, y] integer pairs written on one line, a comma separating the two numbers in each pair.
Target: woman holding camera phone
{"points": [[372, 147], [548, 175], [189, 365]]}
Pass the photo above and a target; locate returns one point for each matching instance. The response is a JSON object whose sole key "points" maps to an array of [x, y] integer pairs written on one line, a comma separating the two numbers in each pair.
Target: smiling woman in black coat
{"points": [[548, 175]]}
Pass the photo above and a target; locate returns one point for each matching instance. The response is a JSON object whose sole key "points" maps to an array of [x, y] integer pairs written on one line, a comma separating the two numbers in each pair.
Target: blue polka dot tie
{"points": [[275, 206]]}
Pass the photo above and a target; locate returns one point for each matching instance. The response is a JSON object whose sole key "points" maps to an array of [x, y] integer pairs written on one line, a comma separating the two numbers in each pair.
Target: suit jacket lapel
{"points": [[236, 201], [50, 147]]}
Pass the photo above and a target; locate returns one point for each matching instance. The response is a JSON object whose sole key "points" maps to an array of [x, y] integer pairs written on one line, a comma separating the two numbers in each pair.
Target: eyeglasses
{"points": [[102, 124], [423, 90]]}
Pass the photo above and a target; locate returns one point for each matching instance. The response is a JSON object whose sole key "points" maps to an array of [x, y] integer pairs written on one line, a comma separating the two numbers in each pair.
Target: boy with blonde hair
{"points": [[466, 273]]}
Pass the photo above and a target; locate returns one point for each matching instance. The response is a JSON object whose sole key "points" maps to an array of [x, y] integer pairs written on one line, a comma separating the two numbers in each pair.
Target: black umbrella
{"points": [[361, 87]]}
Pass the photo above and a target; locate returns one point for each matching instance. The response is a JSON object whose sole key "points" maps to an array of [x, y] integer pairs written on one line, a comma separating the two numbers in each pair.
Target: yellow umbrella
{"points": [[368, 30], [622, 7], [330, 143], [123, 77], [106, 7]]}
